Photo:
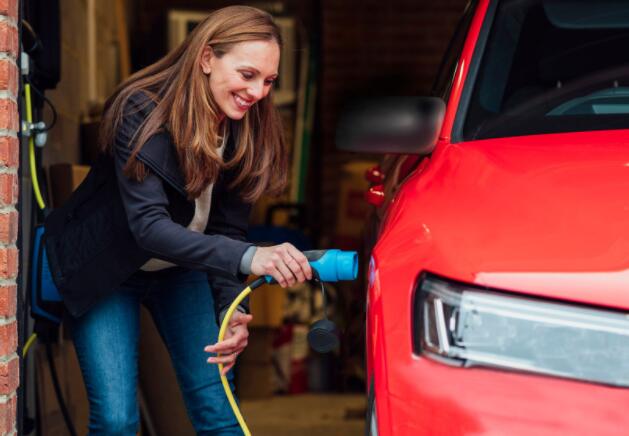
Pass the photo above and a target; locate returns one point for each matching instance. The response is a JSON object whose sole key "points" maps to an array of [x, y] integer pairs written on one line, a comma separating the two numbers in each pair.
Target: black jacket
{"points": [[112, 225]]}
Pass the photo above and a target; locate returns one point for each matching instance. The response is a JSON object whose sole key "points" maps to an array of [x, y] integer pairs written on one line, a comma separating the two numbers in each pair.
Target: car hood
{"points": [[546, 215]]}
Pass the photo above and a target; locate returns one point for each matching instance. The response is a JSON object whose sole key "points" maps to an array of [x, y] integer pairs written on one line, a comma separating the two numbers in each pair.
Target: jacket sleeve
{"points": [[150, 223], [229, 217]]}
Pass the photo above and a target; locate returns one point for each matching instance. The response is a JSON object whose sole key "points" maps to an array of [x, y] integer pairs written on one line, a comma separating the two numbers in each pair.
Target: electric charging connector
{"points": [[328, 265]]}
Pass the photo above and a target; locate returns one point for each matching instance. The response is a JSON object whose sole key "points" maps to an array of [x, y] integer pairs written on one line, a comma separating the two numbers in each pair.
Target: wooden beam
{"points": [[124, 59]]}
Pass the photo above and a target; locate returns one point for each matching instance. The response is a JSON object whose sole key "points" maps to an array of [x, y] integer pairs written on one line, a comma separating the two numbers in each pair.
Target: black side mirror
{"points": [[404, 125]]}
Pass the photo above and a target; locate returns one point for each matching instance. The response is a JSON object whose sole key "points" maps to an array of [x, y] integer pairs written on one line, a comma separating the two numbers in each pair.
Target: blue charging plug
{"points": [[328, 266], [331, 265]]}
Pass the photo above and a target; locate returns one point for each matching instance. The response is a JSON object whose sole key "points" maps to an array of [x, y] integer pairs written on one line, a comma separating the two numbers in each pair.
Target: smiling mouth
{"points": [[241, 103]]}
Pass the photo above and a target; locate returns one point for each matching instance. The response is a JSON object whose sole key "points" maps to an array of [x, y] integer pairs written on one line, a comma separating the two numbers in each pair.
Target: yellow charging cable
{"points": [[35, 181], [221, 336], [28, 344], [31, 148]]}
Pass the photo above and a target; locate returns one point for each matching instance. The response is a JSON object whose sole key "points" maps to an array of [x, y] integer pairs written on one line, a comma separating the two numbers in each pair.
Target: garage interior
{"points": [[335, 51]]}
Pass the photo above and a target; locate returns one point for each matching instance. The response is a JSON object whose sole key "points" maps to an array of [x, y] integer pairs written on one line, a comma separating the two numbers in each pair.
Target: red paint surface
{"points": [[550, 211], [544, 215]]}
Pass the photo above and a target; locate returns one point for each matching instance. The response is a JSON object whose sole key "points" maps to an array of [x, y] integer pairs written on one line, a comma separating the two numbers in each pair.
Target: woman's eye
{"points": [[269, 82], [246, 75]]}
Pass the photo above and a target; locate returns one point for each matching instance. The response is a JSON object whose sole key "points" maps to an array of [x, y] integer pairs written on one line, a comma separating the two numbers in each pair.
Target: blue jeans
{"points": [[106, 342]]}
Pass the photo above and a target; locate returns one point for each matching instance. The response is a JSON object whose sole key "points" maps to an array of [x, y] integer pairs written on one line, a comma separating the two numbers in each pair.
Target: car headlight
{"points": [[470, 326]]}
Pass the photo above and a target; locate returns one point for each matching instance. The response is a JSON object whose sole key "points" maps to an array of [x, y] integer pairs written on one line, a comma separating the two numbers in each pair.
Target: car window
{"points": [[552, 66], [447, 68]]}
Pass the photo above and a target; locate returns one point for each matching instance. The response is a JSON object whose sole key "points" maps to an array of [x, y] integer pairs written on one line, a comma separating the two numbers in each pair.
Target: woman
{"points": [[160, 220]]}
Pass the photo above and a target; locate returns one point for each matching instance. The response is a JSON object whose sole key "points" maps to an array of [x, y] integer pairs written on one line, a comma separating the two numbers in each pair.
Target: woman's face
{"points": [[242, 76]]}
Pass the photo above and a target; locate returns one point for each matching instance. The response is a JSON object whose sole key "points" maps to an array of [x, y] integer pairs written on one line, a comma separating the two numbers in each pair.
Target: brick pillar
{"points": [[9, 158]]}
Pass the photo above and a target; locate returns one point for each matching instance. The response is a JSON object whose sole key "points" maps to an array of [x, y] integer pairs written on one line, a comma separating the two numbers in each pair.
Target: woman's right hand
{"points": [[286, 264]]}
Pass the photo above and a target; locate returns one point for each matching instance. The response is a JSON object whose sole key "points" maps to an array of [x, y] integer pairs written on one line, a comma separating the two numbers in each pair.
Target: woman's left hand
{"points": [[234, 342]]}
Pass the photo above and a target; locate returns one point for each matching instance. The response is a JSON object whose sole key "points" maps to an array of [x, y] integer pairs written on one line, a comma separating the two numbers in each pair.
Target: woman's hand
{"points": [[286, 264], [234, 342]]}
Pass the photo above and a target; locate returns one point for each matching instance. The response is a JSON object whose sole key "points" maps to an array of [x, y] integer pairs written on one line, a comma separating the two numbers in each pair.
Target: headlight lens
{"points": [[469, 326]]}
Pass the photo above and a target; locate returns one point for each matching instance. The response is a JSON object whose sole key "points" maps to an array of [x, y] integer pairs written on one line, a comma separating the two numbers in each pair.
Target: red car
{"points": [[498, 297]]}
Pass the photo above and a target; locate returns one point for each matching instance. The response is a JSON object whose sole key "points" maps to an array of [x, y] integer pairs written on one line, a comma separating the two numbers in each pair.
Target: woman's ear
{"points": [[206, 56]]}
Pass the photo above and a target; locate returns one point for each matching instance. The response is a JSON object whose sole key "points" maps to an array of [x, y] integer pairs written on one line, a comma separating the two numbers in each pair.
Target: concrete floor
{"points": [[306, 415]]}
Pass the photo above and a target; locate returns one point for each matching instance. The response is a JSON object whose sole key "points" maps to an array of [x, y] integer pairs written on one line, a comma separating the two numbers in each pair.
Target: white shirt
{"points": [[202, 206]]}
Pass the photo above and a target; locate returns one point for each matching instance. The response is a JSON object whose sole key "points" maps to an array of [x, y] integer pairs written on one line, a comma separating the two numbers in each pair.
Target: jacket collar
{"points": [[160, 155]]}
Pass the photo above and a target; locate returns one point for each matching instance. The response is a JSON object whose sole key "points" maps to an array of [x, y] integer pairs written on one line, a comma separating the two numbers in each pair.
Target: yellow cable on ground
{"points": [[31, 148], [221, 335], [28, 344]]}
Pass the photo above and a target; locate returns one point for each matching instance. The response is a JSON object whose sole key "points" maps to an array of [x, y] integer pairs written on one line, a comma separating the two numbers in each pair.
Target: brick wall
{"points": [[374, 48], [9, 153]]}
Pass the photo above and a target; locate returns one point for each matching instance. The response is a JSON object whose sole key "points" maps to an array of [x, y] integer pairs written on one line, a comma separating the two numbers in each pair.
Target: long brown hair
{"points": [[185, 105]]}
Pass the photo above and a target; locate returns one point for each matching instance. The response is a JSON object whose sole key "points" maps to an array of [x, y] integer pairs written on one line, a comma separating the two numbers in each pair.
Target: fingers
{"points": [[296, 262], [224, 347], [228, 346], [226, 352], [287, 276], [239, 318], [227, 361], [228, 356], [224, 359], [302, 266], [285, 263], [274, 267], [294, 267], [234, 344], [236, 337]]}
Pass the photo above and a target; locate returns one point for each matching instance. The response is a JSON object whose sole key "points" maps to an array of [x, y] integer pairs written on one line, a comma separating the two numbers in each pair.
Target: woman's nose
{"points": [[256, 90]]}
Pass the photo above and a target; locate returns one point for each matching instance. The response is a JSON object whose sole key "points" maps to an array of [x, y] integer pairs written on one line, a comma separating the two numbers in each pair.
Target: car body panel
{"points": [[514, 214], [510, 212], [453, 401]]}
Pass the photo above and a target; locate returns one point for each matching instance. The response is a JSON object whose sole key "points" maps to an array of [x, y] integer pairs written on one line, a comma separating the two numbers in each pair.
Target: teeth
{"points": [[241, 101]]}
